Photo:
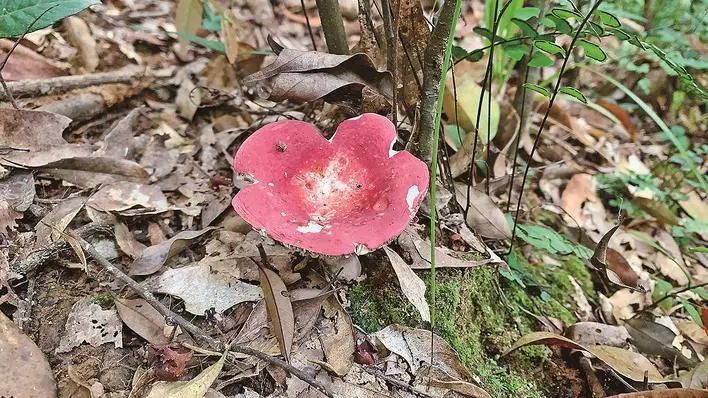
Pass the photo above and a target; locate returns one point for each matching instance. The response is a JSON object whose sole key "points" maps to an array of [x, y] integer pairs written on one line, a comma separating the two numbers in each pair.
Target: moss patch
{"points": [[481, 314]]}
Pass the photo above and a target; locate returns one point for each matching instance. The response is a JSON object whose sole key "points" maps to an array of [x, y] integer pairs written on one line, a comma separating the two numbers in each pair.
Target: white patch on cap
{"points": [[270, 184], [332, 137], [311, 228], [413, 193], [356, 117], [282, 213], [391, 152]]}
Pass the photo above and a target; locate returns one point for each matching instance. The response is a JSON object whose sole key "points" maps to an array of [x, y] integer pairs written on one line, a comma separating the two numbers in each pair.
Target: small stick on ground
{"points": [[188, 326], [61, 84]]}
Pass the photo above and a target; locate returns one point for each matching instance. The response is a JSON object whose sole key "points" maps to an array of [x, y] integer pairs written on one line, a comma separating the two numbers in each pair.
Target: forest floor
{"points": [[117, 181]]}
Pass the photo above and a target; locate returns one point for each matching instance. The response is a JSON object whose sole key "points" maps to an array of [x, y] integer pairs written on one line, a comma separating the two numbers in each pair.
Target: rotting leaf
{"points": [[22, 364], [88, 322], [154, 257], [696, 377], [279, 308], [303, 76], [656, 339], [411, 285], [419, 251], [16, 195], [627, 363], [195, 388], [665, 393]]}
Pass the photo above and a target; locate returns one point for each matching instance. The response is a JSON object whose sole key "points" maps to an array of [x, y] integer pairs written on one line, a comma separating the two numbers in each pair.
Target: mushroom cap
{"points": [[350, 194]]}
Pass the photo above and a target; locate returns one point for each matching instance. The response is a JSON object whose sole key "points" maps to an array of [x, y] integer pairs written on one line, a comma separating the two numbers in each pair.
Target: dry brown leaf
{"points": [[25, 64], [483, 216], [411, 285], [118, 141], [656, 209], [419, 251], [303, 76], [144, 320], [188, 19], [204, 288], [25, 371], [88, 322], [337, 338], [696, 377], [126, 241], [595, 333], [695, 207], [579, 189], [195, 388], [693, 331], [16, 195], [627, 363], [57, 220], [229, 36], [669, 393], [413, 345], [79, 35], [154, 257], [279, 308], [656, 339], [129, 199]]}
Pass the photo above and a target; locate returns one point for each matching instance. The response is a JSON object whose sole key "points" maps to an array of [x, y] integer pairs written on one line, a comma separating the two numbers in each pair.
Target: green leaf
{"points": [[549, 47], [662, 288], [516, 51], [525, 27], [214, 45], [592, 50], [620, 34], [540, 60], [692, 312], [608, 19], [16, 16], [574, 93], [474, 56], [559, 23], [486, 33], [211, 21], [564, 13], [596, 29], [526, 13], [547, 239], [454, 135], [538, 89]]}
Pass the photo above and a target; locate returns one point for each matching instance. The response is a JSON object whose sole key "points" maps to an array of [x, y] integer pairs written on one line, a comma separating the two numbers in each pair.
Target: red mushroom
{"points": [[351, 194]]}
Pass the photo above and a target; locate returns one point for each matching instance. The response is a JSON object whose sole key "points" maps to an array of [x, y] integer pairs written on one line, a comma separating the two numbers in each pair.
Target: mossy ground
{"points": [[480, 314]]}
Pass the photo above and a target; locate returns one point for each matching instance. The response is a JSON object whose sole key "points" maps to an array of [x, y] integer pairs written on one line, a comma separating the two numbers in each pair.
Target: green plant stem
{"points": [[662, 125], [568, 54], [449, 22], [333, 26]]}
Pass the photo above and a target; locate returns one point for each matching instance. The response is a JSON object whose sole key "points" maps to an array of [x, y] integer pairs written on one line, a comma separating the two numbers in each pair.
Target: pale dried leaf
{"points": [[483, 217], [195, 388], [411, 285], [201, 289], [79, 34], [23, 365], [154, 257], [57, 220], [144, 320], [129, 198], [88, 322], [126, 241], [279, 308]]}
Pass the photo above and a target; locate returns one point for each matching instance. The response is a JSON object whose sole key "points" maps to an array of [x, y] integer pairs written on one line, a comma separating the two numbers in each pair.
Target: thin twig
{"points": [[309, 27], [194, 330]]}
